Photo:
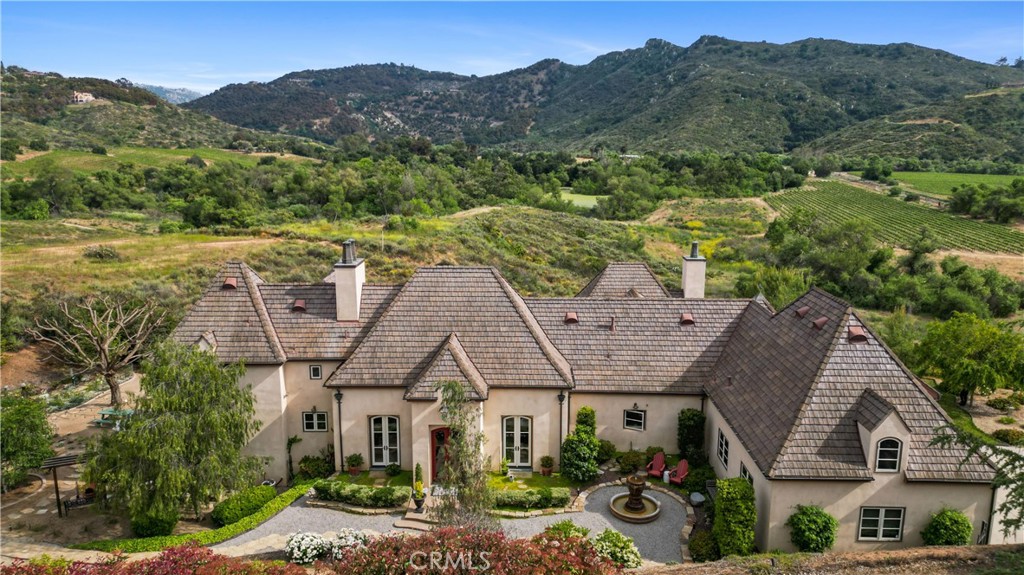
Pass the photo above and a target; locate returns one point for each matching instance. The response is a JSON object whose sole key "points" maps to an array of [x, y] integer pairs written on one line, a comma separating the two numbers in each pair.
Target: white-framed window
{"points": [[745, 474], [316, 372], [887, 458], [723, 449], [384, 440], [314, 421], [881, 524], [635, 419]]}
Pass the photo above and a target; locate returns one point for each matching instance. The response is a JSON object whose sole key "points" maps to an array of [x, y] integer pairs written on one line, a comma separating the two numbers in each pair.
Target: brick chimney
{"points": [[694, 273], [349, 277]]}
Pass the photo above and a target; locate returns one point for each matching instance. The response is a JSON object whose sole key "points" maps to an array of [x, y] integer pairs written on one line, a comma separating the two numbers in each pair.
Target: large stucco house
{"points": [[806, 403]]}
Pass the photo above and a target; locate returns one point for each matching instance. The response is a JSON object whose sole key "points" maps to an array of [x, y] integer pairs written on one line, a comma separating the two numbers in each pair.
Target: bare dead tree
{"points": [[102, 333]]}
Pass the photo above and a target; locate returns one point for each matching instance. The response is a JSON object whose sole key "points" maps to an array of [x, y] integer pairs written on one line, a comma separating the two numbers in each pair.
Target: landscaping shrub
{"points": [[540, 498], [948, 527], [618, 548], [690, 434], [703, 546], [362, 495], [1002, 403], [1011, 436], [651, 451], [242, 504], [697, 479], [632, 461], [1006, 420], [565, 529], [306, 548], [154, 524], [314, 466], [579, 457], [393, 470], [347, 538], [586, 419], [812, 529], [101, 253], [605, 450], [1017, 397], [735, 517]]}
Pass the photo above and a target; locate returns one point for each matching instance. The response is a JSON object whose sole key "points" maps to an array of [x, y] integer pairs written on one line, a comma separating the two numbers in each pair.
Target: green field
{"points": [[80, 161], [940, 184], [898, 221], [582, 200]]}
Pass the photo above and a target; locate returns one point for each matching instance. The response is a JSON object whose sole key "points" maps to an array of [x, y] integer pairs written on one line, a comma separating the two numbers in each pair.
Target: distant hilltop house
{"points": [[806, 403], [81, 97]]}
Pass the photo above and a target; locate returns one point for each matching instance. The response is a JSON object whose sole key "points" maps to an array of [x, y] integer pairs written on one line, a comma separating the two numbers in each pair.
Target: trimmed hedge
{"points": [[812, 529], [242, 504], [948, 527], [541, 498], [735, 517], [205, 537], [632, 461], [362, 495]]}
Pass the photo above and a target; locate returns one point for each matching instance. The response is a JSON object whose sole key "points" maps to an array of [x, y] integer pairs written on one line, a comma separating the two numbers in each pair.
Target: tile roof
{"points": [[872, 409], [235, 319], [625, 279], [649, 351], [493, 324], [316, 333], [450, 363], [796, 393]]}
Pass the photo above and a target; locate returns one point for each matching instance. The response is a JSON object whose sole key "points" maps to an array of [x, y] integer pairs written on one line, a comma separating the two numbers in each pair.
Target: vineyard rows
{"points": [[898, 221]]}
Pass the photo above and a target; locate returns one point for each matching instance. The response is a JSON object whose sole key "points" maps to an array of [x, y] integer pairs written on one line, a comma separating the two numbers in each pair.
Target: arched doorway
{"points": [[439, 438]]}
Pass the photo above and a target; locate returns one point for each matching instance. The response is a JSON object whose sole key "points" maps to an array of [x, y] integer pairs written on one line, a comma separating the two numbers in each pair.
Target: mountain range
{"points": [[717, 93], [172, 95]]}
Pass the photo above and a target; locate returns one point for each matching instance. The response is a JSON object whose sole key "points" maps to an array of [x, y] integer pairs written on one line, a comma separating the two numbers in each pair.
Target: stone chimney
{"points": [[694, 273], [349, 277]]}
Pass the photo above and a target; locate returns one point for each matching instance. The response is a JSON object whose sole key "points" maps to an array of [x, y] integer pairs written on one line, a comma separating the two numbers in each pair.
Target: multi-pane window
{"points": [[881, 524], [723, 449], [383, 440], [316, 372], [314, 421], [888, 458], [635, 419], [745, 473]]}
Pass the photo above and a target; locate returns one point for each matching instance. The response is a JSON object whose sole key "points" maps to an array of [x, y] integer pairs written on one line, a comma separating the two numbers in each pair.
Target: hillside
{"points": [[716, 93], [976, 126]]}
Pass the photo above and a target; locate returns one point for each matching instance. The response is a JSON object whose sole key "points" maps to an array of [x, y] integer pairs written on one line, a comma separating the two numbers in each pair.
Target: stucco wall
{"points": [[662, 418], [303, 395], [358, 405], [541, 405], [267, 383]]}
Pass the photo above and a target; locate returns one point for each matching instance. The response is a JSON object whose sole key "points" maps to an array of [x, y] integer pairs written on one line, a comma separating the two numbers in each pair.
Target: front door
{"points": [[517, 441], [439, 450]]}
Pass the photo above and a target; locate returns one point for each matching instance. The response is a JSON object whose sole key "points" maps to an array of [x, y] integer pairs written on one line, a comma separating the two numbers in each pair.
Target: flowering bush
{"points": [[306, 547], [617, 547], [347, 539]]}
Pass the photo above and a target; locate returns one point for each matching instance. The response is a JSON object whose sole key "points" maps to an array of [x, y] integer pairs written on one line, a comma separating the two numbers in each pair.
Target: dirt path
{"points": [[473, 211]]}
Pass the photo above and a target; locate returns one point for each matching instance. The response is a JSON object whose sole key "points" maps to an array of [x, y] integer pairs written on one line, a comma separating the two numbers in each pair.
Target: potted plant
{"points": [[418, 495], [354, 462], [547, 463]]}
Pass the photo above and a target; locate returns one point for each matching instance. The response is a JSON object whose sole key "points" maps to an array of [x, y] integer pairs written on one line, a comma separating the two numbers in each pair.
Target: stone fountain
{"points": [[634, 506]]}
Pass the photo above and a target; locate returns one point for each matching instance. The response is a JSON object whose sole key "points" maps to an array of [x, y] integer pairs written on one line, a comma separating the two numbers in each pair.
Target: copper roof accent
{"points": [[625, 279], [570, 317], [686, 319], [299, 305], [451, 362], [803, 311], [820, 322], [229, 283], [857, 335]]}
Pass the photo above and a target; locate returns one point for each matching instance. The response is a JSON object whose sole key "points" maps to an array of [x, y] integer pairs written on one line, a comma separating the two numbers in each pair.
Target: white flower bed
{"points": [[347, 538], [306, 548]]}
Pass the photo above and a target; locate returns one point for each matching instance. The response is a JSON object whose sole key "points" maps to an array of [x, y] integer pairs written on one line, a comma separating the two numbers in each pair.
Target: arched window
{"points": [[888, 458]]}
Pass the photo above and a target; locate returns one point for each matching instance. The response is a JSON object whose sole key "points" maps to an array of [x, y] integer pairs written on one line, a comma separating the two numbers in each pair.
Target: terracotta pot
{"points": [[353, 471], [546, 471]]}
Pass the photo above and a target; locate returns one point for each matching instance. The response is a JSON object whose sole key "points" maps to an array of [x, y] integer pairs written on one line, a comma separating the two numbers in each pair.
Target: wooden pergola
{"points": [[60, 461]]}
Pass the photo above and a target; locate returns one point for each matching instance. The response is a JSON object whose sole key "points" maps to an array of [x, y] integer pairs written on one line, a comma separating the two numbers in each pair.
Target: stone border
{"points": [[339, 506], [42, 484]]}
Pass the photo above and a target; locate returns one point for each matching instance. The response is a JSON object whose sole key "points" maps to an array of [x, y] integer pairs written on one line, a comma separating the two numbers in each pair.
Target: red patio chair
{"points": [[677, 475], [657, 467]]}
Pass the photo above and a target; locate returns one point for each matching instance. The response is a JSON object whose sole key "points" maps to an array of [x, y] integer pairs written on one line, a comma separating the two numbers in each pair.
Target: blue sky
{"points": [[204, 46]]}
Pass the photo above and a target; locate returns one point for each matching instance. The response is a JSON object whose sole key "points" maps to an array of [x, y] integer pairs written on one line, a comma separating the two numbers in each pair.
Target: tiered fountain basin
{"points": [[634, 506]]}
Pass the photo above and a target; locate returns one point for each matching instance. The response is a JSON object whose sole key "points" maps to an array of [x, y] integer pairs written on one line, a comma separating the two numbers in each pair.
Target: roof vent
{"points": [[230, 283], [728, 381], [570, 317], [803, 311], [612, 326], [299, 305], [686, 319], [820, 322], [857, 335]]}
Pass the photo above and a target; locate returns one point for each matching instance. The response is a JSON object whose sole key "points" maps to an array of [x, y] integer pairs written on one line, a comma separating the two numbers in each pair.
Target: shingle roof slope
{"points": [[451, 363], [649, 351], [316, 333], [493, 324], [872, 409], [625, 279], [796, 395], [237, 318]]}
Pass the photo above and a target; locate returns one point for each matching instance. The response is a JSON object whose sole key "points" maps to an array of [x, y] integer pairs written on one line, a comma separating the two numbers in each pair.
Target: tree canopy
{"points": [[24, 437]]}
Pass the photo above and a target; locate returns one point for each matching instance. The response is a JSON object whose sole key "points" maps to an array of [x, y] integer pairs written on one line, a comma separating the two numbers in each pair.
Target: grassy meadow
{"points": [[581, 200], [941, 184]]}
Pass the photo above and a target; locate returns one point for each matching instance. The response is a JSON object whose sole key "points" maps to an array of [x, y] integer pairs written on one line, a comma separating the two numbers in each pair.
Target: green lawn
{"points": [[940, 184], [500, 482], [963, 420], [581, 200]]}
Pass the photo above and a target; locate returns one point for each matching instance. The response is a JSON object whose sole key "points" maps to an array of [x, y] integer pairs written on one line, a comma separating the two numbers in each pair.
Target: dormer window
{"points": [[888, 457]]}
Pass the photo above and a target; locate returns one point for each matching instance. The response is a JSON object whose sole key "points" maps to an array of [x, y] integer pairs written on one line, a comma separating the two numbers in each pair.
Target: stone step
{"points": [[413, 524], [421, 517]]}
